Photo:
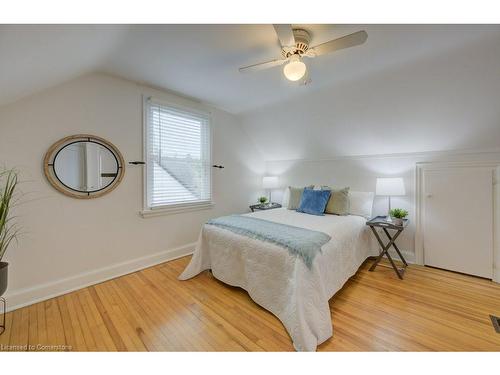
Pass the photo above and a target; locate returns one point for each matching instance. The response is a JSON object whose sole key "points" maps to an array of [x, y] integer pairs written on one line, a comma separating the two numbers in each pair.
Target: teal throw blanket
{"points": [[298, 241]]}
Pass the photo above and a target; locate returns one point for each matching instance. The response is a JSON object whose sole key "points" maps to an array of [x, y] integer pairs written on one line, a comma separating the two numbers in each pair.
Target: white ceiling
{"points": [[202, 61]]}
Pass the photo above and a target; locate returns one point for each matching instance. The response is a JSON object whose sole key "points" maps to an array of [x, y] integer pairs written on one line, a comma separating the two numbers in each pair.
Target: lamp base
{"points": [[389, 218]]}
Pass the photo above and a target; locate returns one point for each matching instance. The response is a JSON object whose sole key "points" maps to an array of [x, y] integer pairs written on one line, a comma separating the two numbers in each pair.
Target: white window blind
{"points": [[178, 157]]}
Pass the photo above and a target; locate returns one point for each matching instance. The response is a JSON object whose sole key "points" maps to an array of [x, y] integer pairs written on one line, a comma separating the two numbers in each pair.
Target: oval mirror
{"points": [[83, 166]]}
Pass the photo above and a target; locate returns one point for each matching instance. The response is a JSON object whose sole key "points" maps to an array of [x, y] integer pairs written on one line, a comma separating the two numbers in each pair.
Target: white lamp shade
{"points": [[393, 186], [270, 182]]}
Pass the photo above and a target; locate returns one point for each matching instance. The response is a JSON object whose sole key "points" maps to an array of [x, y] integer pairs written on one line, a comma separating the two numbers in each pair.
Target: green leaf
{"points": [[398, 213], [8, 229]]}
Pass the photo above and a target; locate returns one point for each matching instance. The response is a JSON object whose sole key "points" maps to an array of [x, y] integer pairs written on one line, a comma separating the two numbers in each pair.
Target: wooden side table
{"points": [[381, 222], [264, 206]]}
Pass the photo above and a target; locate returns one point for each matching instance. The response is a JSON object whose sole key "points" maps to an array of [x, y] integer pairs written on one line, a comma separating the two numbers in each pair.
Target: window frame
{"points": [[176, 207]]}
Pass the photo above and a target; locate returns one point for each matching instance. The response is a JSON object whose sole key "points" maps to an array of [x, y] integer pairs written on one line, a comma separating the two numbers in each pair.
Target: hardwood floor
{"points": [[151, 310]]}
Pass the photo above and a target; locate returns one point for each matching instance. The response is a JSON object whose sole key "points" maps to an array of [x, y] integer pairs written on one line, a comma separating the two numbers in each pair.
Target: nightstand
{"points": [[381, 222], [265, 206]]}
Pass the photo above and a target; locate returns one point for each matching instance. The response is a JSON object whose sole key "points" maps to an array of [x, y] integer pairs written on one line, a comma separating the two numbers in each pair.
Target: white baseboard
{"points": [[409, 257], [28, 296]]}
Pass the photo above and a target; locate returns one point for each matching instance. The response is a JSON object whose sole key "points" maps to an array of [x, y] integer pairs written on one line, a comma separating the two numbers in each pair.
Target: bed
{"points": [[281, 282]]}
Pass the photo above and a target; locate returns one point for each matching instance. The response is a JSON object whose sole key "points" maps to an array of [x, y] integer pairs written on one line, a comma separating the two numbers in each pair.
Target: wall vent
{"points": [[495, 320]]}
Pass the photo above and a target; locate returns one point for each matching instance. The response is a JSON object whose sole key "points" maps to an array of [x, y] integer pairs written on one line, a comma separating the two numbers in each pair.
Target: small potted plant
{"points": [[8, 230], [262, 200], [397, 215]]}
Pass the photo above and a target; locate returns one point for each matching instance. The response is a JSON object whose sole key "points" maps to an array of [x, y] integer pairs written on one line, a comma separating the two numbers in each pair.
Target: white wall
{"points": [[66, 242], [437, 107], [360, 173], [437, 103]]}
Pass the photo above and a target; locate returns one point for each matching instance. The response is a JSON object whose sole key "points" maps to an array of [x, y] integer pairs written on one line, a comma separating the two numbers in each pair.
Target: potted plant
{"points": [[397, 215], [8, 230], [262, 200]]}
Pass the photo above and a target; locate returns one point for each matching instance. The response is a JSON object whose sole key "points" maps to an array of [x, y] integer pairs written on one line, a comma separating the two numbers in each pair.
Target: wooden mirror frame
{"points": [[48, 166]]}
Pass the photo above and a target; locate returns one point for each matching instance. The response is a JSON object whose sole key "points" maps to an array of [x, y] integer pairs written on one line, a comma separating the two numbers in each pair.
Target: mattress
{"points": [[281, 282]]}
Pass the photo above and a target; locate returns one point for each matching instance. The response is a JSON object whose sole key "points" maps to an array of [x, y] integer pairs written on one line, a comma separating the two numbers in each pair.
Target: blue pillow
{"points": [[314, 201]]}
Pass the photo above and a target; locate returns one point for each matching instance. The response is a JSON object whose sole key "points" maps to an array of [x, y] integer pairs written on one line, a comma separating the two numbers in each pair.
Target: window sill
{"points": [[161, 211]]}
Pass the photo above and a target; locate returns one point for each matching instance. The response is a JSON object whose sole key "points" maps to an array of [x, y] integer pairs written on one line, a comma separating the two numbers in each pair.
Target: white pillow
{"points": [[286, 197], [361, 203]]}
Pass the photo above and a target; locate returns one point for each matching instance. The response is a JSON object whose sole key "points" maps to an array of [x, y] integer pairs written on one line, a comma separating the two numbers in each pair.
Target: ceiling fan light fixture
{"points": [[295, 69]]}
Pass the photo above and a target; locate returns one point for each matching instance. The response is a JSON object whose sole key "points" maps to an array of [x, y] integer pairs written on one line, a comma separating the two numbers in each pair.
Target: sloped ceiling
{"points": [[409, 88], [444, 102], [33, 58], [202, 61]]}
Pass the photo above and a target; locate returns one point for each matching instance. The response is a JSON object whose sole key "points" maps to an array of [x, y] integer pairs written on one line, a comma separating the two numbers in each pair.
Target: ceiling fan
{"points": [[295, 46]]}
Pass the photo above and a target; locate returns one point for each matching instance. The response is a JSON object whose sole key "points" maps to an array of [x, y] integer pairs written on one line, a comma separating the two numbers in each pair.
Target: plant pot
{"points": [[4, 266], [397, 221]]}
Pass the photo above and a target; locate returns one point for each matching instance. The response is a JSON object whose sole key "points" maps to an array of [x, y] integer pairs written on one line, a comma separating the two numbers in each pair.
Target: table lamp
{"points": [[269, 183], [390, 187]]}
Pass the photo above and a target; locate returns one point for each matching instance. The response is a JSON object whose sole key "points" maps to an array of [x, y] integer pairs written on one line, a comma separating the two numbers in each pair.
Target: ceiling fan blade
{"points": [[262, 66], [347, 41], [285, 35]]}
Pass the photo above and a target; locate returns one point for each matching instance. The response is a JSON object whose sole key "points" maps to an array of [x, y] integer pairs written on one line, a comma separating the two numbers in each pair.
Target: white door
{"points": [[458, 219]]}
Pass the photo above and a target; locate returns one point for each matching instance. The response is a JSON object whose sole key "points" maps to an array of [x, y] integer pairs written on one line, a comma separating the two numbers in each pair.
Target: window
{"points": [[178, 157]]}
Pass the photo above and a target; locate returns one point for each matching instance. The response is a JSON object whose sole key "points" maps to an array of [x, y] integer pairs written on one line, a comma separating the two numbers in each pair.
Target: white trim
{"points": [[419, 243], [183, 207], [393, 156], [144, 152], [188, 108], [408, 255], [419, 207], [436, 165], [29, 296], [174, 209], [496, 225]]}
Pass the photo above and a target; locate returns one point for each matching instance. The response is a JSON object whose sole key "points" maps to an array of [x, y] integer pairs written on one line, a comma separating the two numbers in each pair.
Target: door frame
{"points": [[419, 206]]}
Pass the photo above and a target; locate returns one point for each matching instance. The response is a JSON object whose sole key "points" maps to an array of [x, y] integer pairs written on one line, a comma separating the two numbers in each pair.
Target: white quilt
{"points": [[282, 283]]}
